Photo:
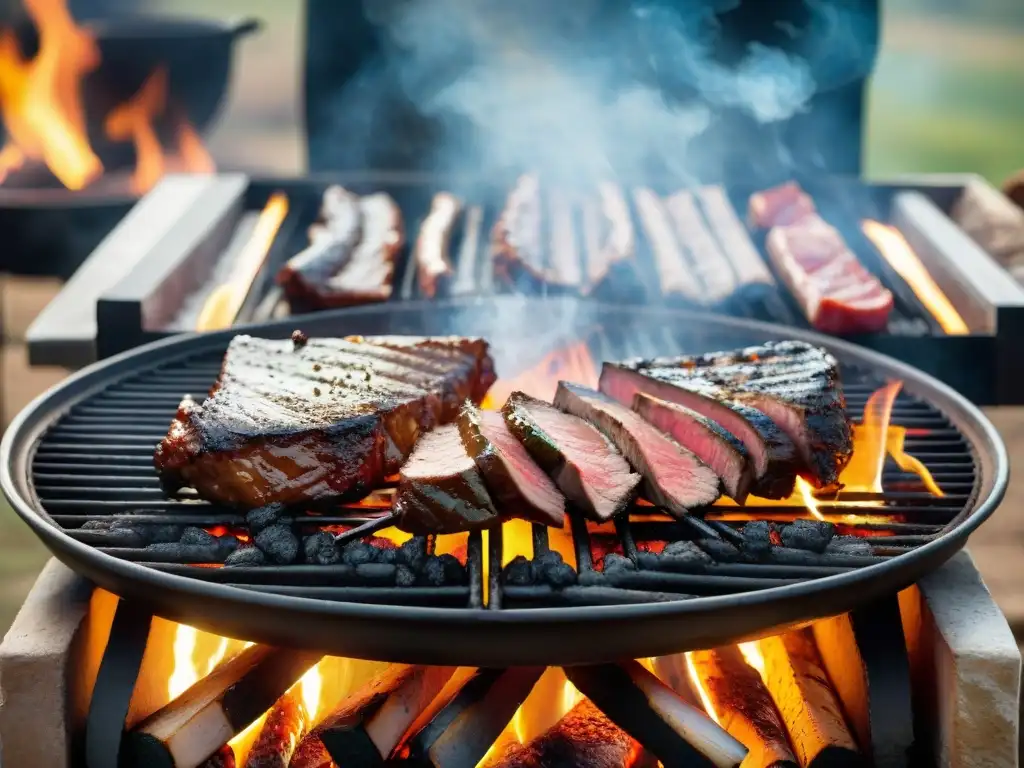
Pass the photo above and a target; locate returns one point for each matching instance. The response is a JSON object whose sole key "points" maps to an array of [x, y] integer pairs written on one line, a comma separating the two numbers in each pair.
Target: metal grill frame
{"points": [[487, 637]]}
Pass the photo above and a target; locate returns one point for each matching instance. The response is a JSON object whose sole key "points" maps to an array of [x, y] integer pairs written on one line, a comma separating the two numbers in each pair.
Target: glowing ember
{"points": [[42, 109], [897, 251]]}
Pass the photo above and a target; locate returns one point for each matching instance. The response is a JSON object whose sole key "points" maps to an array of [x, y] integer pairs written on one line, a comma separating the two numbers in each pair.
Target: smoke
{"points": [[580, 90]]}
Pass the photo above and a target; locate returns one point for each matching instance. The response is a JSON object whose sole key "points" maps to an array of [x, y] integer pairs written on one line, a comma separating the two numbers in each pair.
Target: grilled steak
{"points": [[304, 276], [517, 238], [770, 452], [433, 264], [312, 422], [440, 489], [720, 450], [675, 274], [724, 222], [359, 273], [835, 291], [585, 466], [780, 206], [794, 383], [514, 480], [609, 238], [674, 478], [710, 263]]}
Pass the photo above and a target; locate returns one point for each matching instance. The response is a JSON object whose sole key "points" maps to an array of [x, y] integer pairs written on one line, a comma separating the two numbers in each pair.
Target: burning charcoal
{"points": [[261, 518], [551, 568], [614, 563], [245, 557], [321, 549], [812, 535], [278, 543], [386, 555], [193, 535], [848, 545], [358, 553], [404, 577], [413, 552], [519, 572], [454, 571], [758, 538], [432, 573], [720, 551], [162, 534]]}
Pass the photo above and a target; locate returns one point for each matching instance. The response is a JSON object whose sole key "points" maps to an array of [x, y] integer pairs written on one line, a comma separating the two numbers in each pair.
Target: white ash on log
{"points": [[740, 703], [585, 737], [369, 725], [653, 714], [796, 679], [672, 671], [462, 732], [218, 707]]}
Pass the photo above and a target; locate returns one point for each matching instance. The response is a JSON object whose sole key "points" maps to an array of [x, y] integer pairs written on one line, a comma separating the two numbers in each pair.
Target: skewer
{"points": [[367, 528]]}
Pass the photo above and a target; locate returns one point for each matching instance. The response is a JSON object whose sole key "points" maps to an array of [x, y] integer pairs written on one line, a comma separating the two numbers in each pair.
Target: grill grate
{"points": [[94, 466]]}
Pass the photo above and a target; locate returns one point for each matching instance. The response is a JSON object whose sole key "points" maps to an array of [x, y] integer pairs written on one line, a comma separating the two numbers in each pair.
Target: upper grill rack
{"points": [[94, 466], [471, 256]]}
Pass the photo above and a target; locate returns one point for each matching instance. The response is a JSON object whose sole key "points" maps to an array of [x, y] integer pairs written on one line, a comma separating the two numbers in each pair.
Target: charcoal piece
{"points": [[432, 573], [617, 563], [720, 551], [519, 572], [175, 552], [386, 555], [245, 557], [757, 538], [454, 571], [551, 557], [404, 577], [359, 553], [812, 535], [193, 535], [321, 549], [413, 552], [558, 575], [278, 543], [120, 533], [163, 534], [685, 552], [848, 545], [262, 517]]}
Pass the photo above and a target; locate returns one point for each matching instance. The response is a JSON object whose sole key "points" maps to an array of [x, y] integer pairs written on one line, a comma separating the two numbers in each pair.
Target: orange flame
{"points": [[569, 363], [897, 251], [42, 109], [41, 99]]}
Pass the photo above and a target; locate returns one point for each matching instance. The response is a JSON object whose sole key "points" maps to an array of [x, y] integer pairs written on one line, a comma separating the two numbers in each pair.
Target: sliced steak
{"points": [[306, 422], [585, 466], [440, 489], [674, 478], [516, 483], [711, 443], [517, 240], [675, 273], [795, 384], [771, 454]]}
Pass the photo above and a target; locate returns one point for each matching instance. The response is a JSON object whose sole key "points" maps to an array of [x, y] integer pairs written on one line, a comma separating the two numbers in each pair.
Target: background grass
{"points": [[947, 95]]}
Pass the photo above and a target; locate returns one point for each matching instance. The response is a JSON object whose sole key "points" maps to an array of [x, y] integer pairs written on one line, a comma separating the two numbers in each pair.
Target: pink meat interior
{"points": [[531, 480]]}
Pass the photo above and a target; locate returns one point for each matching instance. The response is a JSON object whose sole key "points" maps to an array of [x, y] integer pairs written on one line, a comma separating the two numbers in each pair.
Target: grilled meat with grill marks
{"points": [[517, 239], [516, 483], [585, 466], [725, 454], [793, 383], [440, 489], [315, 421], [433, 264], [771, 454], [674, 478]]}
